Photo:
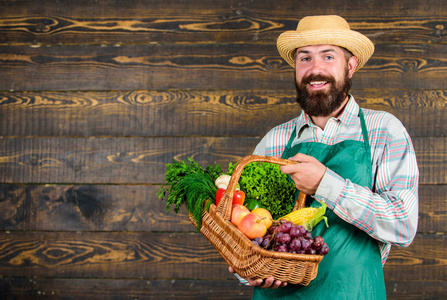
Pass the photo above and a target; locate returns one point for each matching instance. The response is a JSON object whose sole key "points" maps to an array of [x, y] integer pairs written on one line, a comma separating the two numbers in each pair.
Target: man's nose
{"points": [[317, 66]]}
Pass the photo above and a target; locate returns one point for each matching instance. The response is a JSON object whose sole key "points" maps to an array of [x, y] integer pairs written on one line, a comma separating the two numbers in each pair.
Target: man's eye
{"points": [[305, 59], [329, 57]]}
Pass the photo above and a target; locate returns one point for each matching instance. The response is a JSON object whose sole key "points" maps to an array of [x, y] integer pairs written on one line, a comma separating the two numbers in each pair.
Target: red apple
{"points": [[252, 226], [238, 211]]}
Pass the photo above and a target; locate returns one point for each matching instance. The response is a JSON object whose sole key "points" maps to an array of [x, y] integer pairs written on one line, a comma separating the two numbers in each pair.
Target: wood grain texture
{"points": [[152, 255], [135, 208], [201, 66], [99, 289], [146, 113], [104, 289], [96, 97], [158, 21], [143, 160]]}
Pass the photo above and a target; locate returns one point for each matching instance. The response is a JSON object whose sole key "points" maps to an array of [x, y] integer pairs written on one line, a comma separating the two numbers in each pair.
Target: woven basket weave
{"points": [[247, 259]]}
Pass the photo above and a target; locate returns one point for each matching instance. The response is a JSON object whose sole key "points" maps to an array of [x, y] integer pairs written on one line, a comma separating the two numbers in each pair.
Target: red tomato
{"points": [[238, 197]]}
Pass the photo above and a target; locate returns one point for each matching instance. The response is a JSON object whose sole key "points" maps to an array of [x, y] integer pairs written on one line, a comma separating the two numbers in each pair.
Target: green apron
{"points": [[353, 268]]}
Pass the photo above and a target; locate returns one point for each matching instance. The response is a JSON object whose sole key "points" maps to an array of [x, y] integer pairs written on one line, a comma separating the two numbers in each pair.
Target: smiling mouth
{"points": [[317, 83]]}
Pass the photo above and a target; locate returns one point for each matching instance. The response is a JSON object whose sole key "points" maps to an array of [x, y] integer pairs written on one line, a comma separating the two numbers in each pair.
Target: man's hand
{"points": [[307, 174], [268, 283]]}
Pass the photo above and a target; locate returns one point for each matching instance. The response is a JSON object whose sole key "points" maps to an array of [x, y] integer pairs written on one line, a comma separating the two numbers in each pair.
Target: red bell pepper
{"points": [[238, 197], [219, 195]]}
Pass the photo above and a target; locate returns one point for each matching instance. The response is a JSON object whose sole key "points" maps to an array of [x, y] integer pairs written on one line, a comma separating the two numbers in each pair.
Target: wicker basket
{"points": [[247, 259]]}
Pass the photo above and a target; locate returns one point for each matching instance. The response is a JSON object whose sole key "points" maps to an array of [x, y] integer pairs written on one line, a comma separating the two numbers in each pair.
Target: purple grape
{"points": [[319, 239], [301, 252], [258, 240], [281, 248], [255, 242], [284, 238], [324, 249], [295, 245], [311, 251], [266, 241], [302, 230], [295, 232], [308, 235], [316, 245], [286, 226], [305, 244]]}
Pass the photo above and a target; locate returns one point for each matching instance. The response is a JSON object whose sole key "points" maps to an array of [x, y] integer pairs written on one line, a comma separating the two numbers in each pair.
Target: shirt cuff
{"points": [[330, 188], [241, 280]]}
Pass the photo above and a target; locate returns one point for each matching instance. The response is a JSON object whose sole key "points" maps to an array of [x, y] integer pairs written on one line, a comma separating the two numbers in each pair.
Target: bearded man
{"points": [[359, 162]]}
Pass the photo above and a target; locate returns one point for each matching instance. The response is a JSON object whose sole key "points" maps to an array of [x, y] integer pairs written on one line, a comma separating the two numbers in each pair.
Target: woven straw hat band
{"points": [[324, 30]]}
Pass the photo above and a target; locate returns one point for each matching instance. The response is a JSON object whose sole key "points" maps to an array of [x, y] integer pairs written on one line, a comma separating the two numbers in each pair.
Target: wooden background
{"points": [[96, 97]]}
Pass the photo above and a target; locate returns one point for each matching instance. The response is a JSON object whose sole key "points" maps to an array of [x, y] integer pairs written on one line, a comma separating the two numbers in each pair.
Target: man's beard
{"points": [[321, 103]]}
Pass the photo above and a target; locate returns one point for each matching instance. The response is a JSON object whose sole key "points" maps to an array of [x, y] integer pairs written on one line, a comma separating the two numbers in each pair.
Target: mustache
{"points": [[319, 77]]}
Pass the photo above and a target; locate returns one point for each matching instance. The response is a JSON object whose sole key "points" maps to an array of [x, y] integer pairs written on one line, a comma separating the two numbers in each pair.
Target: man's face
{"points": [[323, 78]]}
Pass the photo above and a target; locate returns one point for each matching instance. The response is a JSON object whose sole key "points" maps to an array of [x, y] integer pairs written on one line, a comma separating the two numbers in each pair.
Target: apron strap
{"points": [[364, 133]]}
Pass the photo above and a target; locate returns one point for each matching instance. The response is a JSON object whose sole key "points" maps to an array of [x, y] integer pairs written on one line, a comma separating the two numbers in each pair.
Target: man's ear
{"points": [[352, 65]]}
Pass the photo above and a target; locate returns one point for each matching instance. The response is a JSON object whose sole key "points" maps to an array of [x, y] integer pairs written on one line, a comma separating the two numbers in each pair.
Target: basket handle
{"points": [[225, 204]]}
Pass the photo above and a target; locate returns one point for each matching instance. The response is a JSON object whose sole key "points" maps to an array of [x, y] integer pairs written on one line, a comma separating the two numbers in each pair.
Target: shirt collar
{"points": [[348, 116]]}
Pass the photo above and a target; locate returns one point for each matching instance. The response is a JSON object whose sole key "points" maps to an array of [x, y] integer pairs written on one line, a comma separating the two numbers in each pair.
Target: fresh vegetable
{"points": [[186, 183], [222, 181], [268, 185], [252, 204], [238, 197], [219, 195], [308, 217]]}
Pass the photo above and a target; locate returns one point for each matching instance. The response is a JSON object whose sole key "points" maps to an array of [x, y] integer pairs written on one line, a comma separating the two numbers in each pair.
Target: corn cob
{"points": [[308, 217]]}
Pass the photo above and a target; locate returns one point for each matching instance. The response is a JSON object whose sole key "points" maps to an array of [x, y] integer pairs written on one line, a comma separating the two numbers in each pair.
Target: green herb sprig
{"points": [[189, 184]]}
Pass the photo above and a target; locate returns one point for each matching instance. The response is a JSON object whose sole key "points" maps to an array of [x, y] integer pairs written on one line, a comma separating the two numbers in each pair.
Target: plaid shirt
{"points": [[388, 213]]}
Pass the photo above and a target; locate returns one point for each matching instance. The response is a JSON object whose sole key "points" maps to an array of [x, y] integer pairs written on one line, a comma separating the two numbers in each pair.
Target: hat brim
{"points": [[359, 45]]}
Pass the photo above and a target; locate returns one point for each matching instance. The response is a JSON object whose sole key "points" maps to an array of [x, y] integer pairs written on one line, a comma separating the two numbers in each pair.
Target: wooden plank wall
{"points": [[96, 97]]}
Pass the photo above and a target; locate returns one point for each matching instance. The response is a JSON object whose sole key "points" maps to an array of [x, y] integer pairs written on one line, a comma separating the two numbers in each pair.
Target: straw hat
{"points": [[324, 30]]}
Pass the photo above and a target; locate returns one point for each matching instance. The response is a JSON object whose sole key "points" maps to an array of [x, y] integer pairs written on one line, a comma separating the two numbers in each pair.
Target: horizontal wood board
{"points": [[201, 66], [152, 255], [98, 289], [159, 21], [136, 208], [143, 160], [150, 113]]}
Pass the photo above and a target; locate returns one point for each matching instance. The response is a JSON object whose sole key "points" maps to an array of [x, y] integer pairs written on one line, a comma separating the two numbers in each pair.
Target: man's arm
{"points": [[389, 213]]}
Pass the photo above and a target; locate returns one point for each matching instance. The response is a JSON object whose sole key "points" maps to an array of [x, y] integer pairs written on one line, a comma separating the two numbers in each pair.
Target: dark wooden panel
{"points": [[115, 255], [143, 160], [110, 160], [198, 112], [416, 290], [97, 289], [105, 289], [423, 260], [136, 208], [87, 208], [161, 21], [167, 255], [201, 66]]}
